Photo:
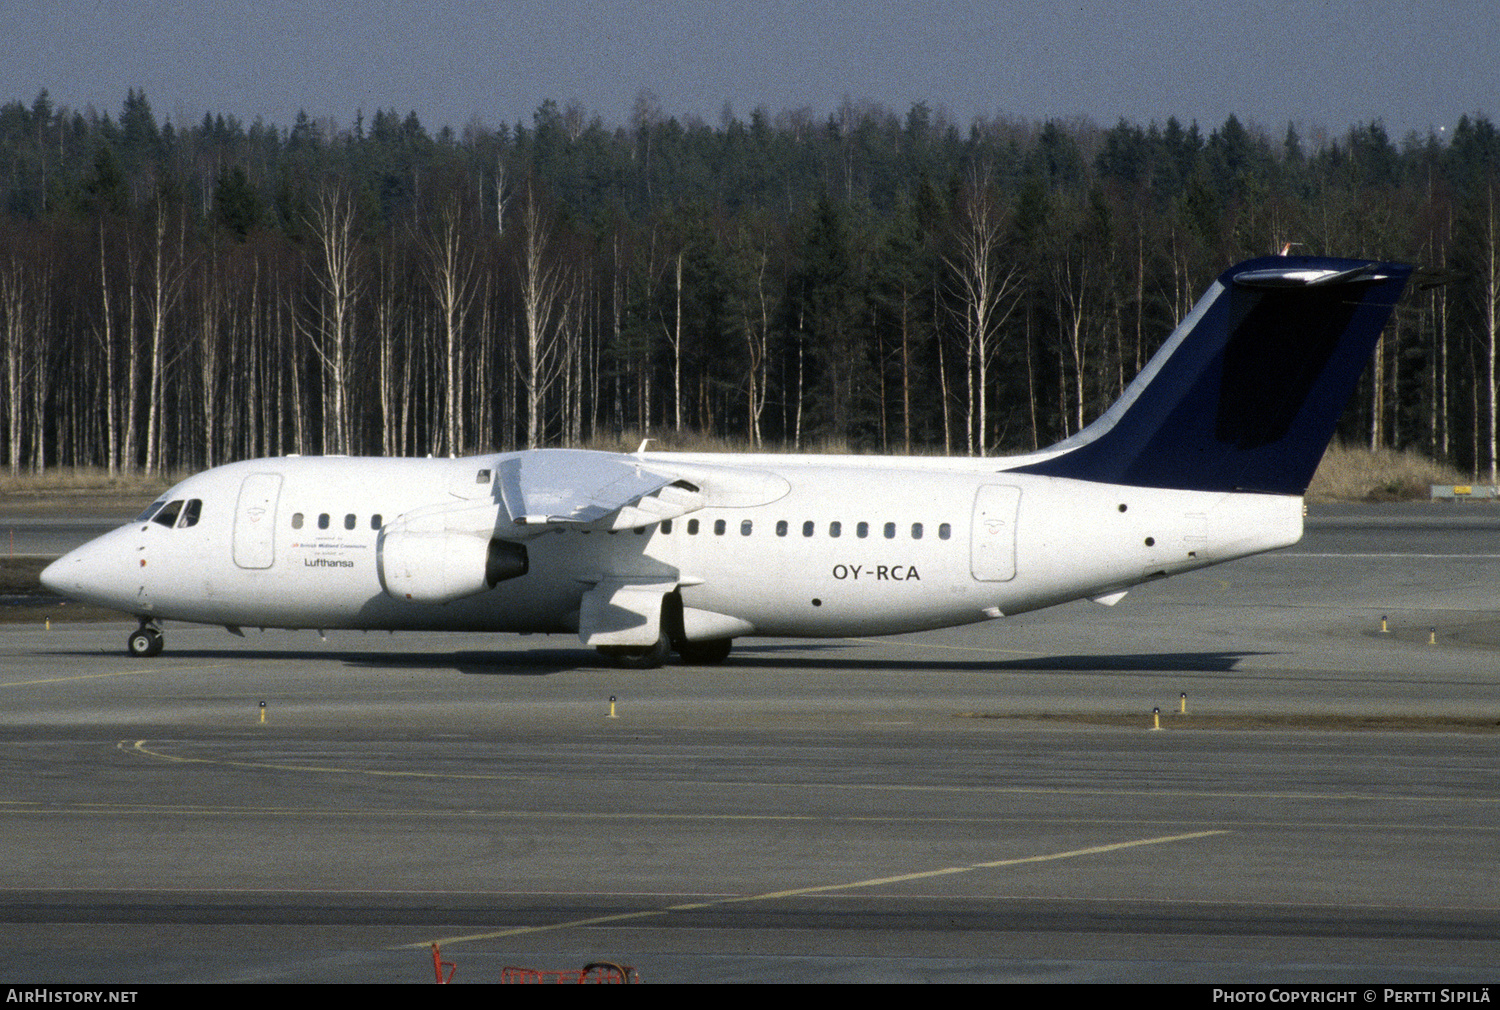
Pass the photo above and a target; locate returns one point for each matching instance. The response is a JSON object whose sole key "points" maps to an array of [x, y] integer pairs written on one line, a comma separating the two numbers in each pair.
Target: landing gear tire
{"points": [[638, 657], [146, 642], [707, 653]]}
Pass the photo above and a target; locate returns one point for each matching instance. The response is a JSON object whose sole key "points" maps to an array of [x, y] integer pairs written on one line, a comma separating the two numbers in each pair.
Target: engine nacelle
{"points": [[440, 566]]}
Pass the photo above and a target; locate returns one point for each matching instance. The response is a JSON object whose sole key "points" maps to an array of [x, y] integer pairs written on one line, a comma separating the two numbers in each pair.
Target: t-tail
{"points": [[1245, 394]]}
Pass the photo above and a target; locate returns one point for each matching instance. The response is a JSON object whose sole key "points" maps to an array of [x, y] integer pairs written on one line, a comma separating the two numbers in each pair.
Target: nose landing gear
{"points": [[147, 640]]}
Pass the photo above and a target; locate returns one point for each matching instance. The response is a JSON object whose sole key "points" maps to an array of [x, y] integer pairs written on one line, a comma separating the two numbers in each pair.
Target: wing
{"points": [[567, 487], [542, 489]]}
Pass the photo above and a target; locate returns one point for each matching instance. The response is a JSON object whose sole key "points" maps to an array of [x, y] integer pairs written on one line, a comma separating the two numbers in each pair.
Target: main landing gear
{"points": [[709, 653], [638, 657], [649, 657], [147, 640]]}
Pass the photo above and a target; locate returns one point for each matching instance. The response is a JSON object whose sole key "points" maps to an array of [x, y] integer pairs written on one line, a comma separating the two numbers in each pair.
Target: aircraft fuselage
{"points": [[837, 547]]}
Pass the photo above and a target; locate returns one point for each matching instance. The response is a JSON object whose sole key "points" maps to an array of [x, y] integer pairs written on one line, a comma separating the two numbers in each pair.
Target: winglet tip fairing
{"points": [[1245, 394]]}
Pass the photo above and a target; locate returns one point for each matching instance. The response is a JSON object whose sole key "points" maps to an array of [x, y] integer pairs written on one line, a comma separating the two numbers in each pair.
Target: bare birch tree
{"points": [[107, 346], [545, 288], [15, 320], [752, 313], [1489, 286], [984, 288], [673, 333], [451, 272], [334, 226], [168, 267]]}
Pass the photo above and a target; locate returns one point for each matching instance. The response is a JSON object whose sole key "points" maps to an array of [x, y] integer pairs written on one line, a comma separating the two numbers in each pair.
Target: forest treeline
{"points": [[177, 296]]}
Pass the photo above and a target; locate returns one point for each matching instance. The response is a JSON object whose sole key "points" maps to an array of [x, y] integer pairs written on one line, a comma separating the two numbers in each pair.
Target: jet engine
{"points": [[445, 565]]}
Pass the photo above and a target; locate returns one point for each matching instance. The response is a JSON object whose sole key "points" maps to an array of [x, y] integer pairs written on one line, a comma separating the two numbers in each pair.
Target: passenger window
{"points": [[323, 521], [190, 513], [168, 515], [862, 530], [916, 531], [945, 531], [781, 527], [296, 520], [745, 528], [692, 527], [375, 522], [350, 521], [666, 526], [807, 528], [890, 531], [150, 510], [835, 528], [718, 527]]}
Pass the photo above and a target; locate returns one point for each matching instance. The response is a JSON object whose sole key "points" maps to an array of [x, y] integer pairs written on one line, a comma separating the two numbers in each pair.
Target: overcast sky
{"points": [[1414, 65]]}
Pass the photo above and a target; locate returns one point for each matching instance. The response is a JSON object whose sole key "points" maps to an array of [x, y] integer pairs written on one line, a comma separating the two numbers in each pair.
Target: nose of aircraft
{"points": [[52, 575], [98, 572]]}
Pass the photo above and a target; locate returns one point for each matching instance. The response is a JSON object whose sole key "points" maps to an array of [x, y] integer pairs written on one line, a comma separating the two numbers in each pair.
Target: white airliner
{"points": [[1203, 459]]}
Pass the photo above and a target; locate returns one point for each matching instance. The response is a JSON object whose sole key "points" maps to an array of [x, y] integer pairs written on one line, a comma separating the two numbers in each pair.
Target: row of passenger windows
{"points": [[182, 514], [179, 514], [351, 521], [834, 529]]}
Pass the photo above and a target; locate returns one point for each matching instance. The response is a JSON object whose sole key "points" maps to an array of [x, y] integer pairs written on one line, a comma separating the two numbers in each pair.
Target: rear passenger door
{"points": [[992, 553]]}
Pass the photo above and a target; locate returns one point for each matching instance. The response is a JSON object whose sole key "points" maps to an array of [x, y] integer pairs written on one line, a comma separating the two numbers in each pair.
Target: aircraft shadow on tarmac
{"points": [[544, 662], [1148, 662]]}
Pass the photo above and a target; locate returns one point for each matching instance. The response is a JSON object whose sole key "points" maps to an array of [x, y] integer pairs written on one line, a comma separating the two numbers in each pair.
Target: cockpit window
{"points": [[150, 510], [168, 514], [190, 513]]}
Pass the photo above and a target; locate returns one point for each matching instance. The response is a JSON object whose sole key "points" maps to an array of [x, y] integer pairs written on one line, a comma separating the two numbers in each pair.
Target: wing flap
{"points": [[623, 612]]}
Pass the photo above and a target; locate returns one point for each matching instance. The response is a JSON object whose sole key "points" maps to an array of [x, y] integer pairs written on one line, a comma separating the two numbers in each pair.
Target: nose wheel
{"points": [[147, 641]]}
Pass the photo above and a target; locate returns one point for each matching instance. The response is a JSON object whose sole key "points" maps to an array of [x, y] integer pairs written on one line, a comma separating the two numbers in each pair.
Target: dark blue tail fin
{"points": [[1245, 394]]}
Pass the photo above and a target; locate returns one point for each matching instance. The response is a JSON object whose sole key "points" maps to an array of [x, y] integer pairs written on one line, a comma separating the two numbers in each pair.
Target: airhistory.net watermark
{"points": [[39, 994]]}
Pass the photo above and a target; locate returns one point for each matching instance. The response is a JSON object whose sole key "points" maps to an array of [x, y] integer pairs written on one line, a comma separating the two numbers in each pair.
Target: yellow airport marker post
{"points": [[262, 713], [1432, 636], [1184, 703], [1383, 629], [611, 706], [1156, 718]]}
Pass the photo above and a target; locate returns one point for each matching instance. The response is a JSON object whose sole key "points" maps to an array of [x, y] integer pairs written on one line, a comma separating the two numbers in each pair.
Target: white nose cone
{"points": [[52, 576], [99, 572], [76, 574]]}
